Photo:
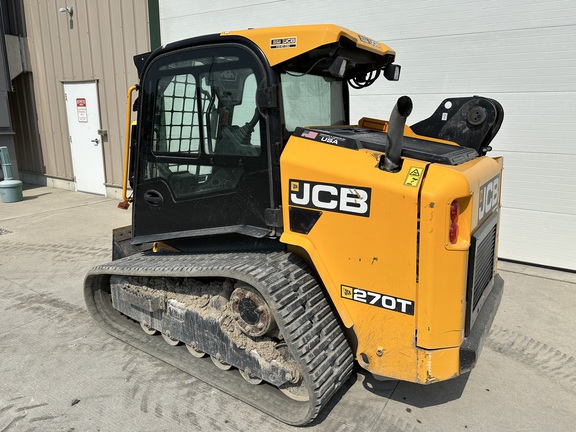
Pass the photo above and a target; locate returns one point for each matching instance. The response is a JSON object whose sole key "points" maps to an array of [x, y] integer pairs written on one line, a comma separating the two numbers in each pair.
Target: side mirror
{"points": [[392, 72]]}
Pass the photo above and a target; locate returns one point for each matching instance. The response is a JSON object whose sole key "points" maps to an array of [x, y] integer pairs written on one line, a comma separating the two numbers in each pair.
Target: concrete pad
{"points": [[60, 372]]}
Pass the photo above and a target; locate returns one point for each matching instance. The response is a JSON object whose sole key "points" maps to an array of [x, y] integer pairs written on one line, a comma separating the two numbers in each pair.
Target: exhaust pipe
{"points": [[391, 160]]}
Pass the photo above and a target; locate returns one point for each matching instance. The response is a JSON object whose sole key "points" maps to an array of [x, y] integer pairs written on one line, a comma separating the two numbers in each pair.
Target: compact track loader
{"points": [[273, 245]]}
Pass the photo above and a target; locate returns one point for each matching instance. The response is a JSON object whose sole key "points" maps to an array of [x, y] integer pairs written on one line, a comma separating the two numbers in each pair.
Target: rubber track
{"points": [[303, 315]]}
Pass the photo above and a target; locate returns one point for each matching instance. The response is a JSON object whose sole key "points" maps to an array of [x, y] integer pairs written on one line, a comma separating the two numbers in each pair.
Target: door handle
{"points": [[96, 141], [154, 198]]}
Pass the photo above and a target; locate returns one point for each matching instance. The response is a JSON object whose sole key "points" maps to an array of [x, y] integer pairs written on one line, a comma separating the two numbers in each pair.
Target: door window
{"points": [[204, 127], [312, 100]]}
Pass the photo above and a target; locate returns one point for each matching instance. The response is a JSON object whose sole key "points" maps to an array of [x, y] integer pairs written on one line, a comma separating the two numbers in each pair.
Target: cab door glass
{"points": [[204, 127]]}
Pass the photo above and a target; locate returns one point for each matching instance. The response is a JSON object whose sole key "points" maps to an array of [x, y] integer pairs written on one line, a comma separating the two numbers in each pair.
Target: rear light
{"points": [[454, 228], [454, 211]]}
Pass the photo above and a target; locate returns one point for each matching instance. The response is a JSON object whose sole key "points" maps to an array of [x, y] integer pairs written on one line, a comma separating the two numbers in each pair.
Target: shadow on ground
{"points": [[32, 197]]}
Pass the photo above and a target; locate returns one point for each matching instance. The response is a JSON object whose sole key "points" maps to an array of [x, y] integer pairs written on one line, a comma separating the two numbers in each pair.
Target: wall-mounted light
{"points": [[67, 9], [70, 11]]}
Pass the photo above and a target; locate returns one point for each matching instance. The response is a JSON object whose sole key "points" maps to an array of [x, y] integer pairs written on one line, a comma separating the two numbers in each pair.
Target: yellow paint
{"points": [[307, 38], [443, 266], [437, 365], [380, 253], [358, 251], [163, 247]]}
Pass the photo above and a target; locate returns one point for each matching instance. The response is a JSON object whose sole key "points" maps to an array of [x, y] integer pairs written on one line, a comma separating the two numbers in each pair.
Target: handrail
{"points": [[125, 197]]}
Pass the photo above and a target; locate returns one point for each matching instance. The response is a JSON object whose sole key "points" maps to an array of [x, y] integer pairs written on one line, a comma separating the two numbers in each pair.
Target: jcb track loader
{"points": [[272, 244]]}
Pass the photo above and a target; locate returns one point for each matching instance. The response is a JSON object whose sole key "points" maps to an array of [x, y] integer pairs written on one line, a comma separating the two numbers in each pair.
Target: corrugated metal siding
{"points": [[520, 52], [105, 35]]}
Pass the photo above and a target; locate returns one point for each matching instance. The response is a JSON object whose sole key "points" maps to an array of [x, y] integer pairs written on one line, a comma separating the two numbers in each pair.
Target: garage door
{"points": [[519, 52]]}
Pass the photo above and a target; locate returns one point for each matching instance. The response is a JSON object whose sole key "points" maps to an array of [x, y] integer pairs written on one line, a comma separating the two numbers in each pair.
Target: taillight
{"points": [[454, 228]]}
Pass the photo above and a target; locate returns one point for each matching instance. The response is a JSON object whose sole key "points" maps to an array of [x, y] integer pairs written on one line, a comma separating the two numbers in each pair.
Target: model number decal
{"points": [[332, 197], [381, 300], [488, 197], [369, 41], [286, 42]]}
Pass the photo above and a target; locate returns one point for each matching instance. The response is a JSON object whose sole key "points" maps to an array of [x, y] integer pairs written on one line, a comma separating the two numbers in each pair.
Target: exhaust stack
{"points": [[391, 161]]}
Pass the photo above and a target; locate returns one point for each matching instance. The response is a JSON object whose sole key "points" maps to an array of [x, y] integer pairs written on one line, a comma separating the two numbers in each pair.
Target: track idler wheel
{"points": [[251, 312]]}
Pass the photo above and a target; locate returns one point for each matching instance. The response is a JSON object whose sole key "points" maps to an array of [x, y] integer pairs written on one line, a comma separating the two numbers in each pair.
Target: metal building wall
{"points": [[96, 44]]}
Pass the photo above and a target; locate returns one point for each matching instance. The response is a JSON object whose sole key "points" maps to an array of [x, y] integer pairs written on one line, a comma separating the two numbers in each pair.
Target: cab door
{"points": [[203, 160]]}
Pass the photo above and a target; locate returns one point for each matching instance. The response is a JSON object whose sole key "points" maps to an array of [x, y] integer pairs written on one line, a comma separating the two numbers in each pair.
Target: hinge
{"points": [[273, 217], [267, 97]]}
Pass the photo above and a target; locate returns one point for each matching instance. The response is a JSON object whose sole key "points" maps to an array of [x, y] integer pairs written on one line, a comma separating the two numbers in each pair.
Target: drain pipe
{"points": [[10, 189], [394, 140]]}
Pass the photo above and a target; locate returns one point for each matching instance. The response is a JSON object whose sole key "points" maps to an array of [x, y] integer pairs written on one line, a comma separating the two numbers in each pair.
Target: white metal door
{"points": [[83, 114]]}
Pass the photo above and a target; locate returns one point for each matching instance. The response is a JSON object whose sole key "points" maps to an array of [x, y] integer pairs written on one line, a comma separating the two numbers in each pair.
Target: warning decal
{"points": [[287, 42], [413, 177], [81, 110]]}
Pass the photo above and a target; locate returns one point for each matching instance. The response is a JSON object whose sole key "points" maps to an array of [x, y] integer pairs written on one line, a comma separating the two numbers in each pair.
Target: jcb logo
{"points": [[332, 197], [488, 197]]}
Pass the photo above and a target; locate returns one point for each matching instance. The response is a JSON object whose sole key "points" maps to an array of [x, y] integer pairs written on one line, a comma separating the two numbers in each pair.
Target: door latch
{"points": [[96, 141]]}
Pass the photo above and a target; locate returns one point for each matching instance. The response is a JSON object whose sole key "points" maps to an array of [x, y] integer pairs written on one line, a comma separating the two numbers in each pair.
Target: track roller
{"points": [[247, 375], [170, 340], [219, 364], [147, 329], [192, 350]]}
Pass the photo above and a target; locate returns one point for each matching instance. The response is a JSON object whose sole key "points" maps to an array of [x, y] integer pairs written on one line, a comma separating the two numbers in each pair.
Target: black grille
{"points": [[480, 268], [484, 265]]}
